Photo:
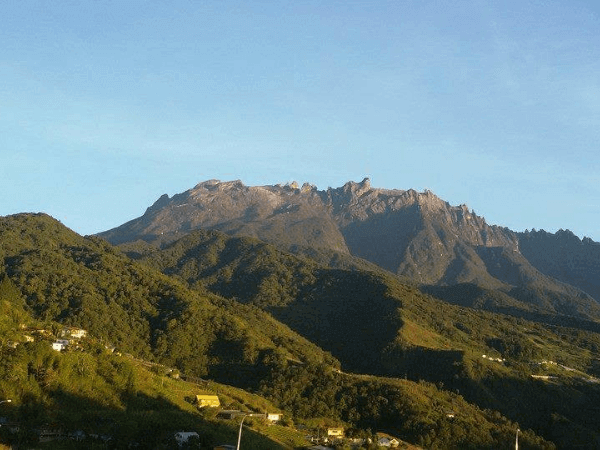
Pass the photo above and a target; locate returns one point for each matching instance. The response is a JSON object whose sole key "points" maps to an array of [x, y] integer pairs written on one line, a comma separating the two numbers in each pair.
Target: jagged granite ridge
{"points": [[412, 234]]}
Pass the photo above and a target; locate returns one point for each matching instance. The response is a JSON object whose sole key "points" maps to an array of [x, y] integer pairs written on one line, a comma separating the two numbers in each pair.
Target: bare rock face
{"points": [[286, 215], [564, 256], [341, 219], [410, 233], [407, 232]]}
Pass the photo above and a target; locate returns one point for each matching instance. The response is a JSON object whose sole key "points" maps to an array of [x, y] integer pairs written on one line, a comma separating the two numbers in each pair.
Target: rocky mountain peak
{"points": [[162, 201], [217, 185], [357, 188], [414, 234]]}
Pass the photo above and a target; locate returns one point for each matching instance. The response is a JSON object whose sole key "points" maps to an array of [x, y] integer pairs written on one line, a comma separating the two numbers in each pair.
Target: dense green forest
{"points": [[419, 412], [89, 391], [88, 283], [372, 323], [115, 402], [239, 311]]}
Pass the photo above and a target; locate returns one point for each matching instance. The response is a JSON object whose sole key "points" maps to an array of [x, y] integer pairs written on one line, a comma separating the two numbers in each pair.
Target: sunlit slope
{"points": [[86, 282]]}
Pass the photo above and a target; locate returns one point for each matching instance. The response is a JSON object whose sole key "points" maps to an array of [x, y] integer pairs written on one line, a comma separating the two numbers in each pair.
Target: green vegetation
{"points": [[88, 283], [111, 401], [115, 403], [238, 311], [374, 324], [417, 412]]}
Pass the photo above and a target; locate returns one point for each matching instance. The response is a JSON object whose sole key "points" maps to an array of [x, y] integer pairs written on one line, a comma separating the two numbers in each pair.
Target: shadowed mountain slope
{"points": [[564, 256], [374, 324]]}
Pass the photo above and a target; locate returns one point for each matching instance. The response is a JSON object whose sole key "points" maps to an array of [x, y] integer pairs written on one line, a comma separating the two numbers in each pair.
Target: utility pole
{"points": [[241, 424]]}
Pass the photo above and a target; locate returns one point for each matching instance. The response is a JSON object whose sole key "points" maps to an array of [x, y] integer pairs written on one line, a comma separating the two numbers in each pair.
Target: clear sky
{"points": [[106, 105]]}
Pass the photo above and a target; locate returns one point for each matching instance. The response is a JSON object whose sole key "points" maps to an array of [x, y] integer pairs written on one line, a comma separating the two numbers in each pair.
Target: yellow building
{"points": [[207, 400], [335, 432]]}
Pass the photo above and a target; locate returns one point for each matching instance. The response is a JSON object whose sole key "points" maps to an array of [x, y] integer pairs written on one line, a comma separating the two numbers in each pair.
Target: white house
{"points": [[182, 436], [60, 344], [274, 417], [384, 440]]}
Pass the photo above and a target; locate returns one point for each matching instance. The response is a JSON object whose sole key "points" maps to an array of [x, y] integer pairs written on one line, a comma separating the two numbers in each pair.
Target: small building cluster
{"points": [[493, 358], [66, 337], [71, 332], [60, 344]]}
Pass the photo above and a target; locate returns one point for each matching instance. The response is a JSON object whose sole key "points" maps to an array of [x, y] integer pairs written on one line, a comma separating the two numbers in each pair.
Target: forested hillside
{"points": [[374, 324], [84, 281], [314, 340], [88, 397]]}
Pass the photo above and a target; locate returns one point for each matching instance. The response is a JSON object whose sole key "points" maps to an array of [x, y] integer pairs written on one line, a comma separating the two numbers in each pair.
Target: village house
{"points": [[335, 433], [183, 436], [74, 333], [207, 400], [60, 345], [274, 417], [385, 440]]}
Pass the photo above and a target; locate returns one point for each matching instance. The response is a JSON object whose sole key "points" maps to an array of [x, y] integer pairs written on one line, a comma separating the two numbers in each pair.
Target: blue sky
{"points": [[104, 106]]}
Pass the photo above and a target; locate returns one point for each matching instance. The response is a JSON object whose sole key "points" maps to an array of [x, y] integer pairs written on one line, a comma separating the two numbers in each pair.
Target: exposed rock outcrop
{"points": [[413, 234]]}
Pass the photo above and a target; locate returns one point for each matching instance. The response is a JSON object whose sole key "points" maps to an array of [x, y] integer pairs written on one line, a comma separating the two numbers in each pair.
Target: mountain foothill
{"points": [[382, 310]]}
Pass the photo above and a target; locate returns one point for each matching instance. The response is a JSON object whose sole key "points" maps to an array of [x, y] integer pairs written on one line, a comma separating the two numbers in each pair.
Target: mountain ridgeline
{"points": [[416, 236]]}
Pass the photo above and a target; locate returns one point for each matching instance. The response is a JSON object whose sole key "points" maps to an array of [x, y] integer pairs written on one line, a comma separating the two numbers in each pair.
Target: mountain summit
{"points": [[412, 234]]}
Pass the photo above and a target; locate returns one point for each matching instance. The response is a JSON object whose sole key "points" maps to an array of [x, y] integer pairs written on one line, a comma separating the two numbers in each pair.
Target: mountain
{"points": [[293, 330], [565, 257], [414, 235]]}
